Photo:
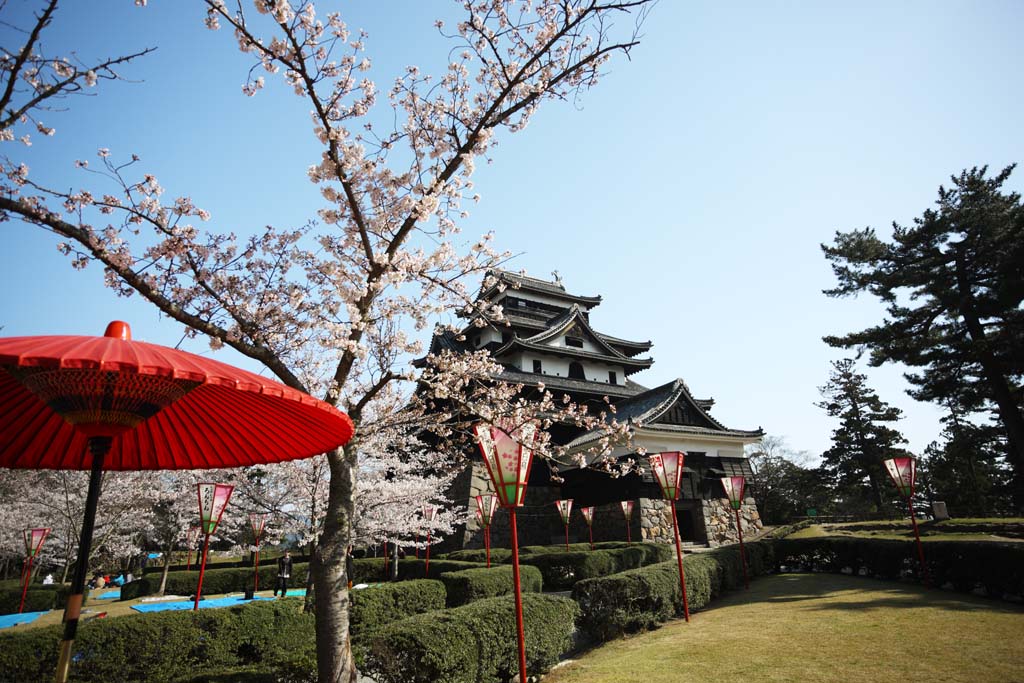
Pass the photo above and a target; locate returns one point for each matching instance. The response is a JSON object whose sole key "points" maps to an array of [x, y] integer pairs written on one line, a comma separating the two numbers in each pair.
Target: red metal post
{"points": [[416, 545], [487, 544], [917, 538], [386, 559], [743, 552], [24, 590], [426, 571], [629, 539], [519, 596], [679, 557], [256, 573], [566, 538], [591, 537], [202, 570]]}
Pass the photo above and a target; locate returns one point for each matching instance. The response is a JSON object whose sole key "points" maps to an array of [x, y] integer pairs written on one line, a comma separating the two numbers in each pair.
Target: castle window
{"points": [[576, 371], [578, 343], [612, 379], [537, 366]]}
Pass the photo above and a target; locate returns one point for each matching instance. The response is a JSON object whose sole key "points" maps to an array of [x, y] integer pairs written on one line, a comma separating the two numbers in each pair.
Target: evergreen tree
{"points": [[953, 285], [966, 469], [863, 439]]}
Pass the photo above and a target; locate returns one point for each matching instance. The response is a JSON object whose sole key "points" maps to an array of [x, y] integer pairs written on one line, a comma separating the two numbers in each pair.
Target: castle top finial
{"points": [[558, 278]]}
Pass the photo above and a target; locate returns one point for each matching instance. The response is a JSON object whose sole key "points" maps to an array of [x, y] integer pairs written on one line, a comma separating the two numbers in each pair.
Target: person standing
{"points": [[284, 572]]}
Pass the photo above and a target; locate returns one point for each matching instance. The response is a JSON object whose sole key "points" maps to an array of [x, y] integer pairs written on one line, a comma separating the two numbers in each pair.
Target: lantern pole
{"points": [[679, 558], [519, 596], [27, 575], [743, 552], [903, 472], [487, 543], [31, 550], [99, 446], [210, 525], [202, 571], [188, 550], [385, 559], [426, 570], [917, 539]]}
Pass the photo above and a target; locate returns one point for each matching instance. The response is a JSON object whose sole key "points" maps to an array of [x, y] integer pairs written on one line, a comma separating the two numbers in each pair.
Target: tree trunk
{"points": [[333, 645], [163, 575]]}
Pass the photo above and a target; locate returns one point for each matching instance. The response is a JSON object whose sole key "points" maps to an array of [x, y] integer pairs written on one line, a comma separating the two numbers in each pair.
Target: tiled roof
{"points": [[525, 282], [571, 385]]}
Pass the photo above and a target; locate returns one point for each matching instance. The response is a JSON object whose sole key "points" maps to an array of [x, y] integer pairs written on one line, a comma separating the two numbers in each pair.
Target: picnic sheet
{"points": [[188, 604], [8, 620], [109, 595]]}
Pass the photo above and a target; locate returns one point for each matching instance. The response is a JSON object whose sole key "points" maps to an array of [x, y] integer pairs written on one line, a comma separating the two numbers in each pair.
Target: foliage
{"points": [[476, 643], [380, 605], [953, 286], [468, 585], [561, 570], [411, 568], [997, 568], [966, 469], [643, 598], [783, 486], [862, 441], [167, 646]]}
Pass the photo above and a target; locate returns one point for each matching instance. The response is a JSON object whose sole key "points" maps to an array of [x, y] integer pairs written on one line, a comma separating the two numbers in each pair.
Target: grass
{"points": [[1000, 530], [816, 627]]}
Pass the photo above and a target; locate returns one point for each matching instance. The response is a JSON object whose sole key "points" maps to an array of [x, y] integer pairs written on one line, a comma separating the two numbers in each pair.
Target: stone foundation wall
{"points": [[720, 521]]}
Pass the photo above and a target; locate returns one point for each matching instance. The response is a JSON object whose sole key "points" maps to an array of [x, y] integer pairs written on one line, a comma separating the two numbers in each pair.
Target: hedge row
{"points": [[561, 570], [379, 605], [995, 568], [504, 555], [157, 565], [643, 598], [476, 643], [39, 598], [170, 646], [469, 585], [215, 581], [417, 569]]}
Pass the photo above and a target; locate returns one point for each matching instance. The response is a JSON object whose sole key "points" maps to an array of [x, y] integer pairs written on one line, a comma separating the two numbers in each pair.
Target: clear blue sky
{"points": [[691, 190]]}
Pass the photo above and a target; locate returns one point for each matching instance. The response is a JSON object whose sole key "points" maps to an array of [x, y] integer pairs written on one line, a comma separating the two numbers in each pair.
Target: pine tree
{"points": [[967, 469], [953, 286], [863, 439]]}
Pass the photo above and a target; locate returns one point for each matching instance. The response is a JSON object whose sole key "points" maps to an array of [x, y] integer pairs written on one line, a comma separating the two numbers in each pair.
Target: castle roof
{"points": [[522, 282]]}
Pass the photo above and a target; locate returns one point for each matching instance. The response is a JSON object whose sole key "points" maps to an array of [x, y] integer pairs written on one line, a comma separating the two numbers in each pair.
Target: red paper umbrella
{"points": [[111, 403]]}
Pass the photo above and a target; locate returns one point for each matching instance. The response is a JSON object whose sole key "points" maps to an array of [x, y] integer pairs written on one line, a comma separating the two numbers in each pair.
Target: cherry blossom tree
{"points": [[338, 306]]}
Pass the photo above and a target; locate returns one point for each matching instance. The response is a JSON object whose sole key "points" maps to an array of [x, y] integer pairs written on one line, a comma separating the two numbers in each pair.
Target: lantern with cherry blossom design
{"points": [[507, 450], [429, 512], [627, 512], [564, 511], [486, 504], [734, 487], [213, 499], [668, 472], [903, 472], [588, 517], [34, 539], [258, 522]]}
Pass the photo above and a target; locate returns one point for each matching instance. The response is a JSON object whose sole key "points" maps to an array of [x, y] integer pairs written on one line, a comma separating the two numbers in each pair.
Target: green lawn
{"points": [[818, 627], [1001, 530]]}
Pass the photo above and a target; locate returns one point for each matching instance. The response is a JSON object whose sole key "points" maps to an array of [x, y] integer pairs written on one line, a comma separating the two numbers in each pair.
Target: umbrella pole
{"points": [[99, 446]]}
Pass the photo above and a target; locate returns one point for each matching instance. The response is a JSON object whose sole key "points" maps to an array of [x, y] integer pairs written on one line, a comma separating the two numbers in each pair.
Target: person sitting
{"points": [[129, 578], [101, 582], [118, 580]]}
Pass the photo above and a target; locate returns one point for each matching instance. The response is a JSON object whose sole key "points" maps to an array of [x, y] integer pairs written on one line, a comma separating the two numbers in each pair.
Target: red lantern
{"points": [[213, 499], [627, 512], [734, 487], [34, 539], [507, 450], [588, 517], [428, 516], [258, 522], [904, 474], [668, 472], [565, 510], [486, 504]]}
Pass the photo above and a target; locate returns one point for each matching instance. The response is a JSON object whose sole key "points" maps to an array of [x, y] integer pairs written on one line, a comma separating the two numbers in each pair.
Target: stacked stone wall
{"points": [[720, 521]]}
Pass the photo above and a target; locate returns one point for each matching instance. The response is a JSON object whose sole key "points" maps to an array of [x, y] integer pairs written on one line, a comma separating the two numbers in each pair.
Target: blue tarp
{"points": [[188, 604], [109, 595], [8, 620]]}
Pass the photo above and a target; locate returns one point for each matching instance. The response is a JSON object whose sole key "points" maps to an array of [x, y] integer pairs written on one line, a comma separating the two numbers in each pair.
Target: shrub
{"points": [[215, 581], [169, 646], [380, 605], [472, 644], [643, 598], [39, 598], [416, 569], [561, 570], [468, 585], [996, 568], [498, 555], [368, 570]]}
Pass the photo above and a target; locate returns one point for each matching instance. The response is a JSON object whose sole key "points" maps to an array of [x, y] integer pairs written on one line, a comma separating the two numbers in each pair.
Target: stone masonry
{"points": [[720, 521]]}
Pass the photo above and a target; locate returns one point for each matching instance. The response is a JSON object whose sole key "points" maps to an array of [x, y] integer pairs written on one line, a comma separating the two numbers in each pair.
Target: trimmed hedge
{"points": [[995, 568], [643, 598], [417, 569], [170, 646], [504, 555], [39, 598], [476, 643], [561, 570], [469, 585], [157, 566], [379, 605], [498, 556], [215, 581], [368, 570]]}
